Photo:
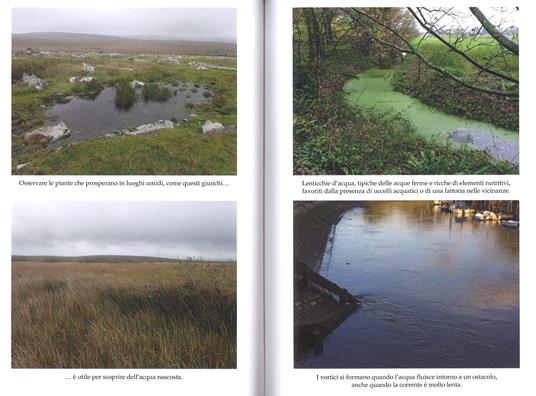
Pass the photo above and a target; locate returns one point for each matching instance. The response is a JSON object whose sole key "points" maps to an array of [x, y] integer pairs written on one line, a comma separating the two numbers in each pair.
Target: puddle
{"points": [[88, 119]]}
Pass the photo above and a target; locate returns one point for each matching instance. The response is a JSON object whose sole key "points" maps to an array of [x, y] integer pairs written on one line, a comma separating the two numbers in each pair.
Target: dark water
{"points": [[438, 291], [91, 118]]}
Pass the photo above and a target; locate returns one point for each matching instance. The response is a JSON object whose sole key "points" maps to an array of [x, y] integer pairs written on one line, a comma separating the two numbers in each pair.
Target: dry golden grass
{"points": [[123, 315]]}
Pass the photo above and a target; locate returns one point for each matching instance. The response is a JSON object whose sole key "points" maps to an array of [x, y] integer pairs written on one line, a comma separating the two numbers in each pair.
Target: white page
{"points": [[244, 189], [284, 188]]}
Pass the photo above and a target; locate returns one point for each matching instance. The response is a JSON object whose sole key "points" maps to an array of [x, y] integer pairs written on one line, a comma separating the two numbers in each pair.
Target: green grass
{"points": [[29, 106], [123, 315], [180, 151]]}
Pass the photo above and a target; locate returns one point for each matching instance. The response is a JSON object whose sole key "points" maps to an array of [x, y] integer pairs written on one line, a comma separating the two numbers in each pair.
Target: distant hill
{"points": [[92, 259], [79, 42]]}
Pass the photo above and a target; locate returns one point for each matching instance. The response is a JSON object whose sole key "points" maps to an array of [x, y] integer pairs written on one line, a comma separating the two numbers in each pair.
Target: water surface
{"points": [[373, 89], [91, 118], [438, 291]]}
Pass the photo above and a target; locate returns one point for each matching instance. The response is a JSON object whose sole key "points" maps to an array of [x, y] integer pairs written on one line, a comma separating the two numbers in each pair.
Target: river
{"points": [[437, 290], [373, 90]]}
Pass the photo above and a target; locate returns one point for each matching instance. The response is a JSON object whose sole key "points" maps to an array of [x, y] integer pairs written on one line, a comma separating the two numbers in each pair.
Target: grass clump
{"points": [[88, 90], [155, 92], [125, 94], [123, 315]]}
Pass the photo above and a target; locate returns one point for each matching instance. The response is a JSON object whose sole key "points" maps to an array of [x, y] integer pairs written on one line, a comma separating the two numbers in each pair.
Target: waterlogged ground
{"points": [[89, 118], [438, 291], [373, 90]]}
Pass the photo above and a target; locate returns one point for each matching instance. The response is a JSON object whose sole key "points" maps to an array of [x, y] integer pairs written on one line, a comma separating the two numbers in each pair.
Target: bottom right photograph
{"points": [[406, 284]]}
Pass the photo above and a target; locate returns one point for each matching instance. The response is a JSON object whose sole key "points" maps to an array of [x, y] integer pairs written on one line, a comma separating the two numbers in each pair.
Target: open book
{"points": [[266, 198]]}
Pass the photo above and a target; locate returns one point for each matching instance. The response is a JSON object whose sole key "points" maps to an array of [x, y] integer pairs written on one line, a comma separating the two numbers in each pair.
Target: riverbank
{"points": [[312, 226]]}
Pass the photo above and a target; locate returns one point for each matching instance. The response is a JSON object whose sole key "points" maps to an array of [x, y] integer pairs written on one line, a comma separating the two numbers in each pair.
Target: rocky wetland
{"points": [[104, 104]]}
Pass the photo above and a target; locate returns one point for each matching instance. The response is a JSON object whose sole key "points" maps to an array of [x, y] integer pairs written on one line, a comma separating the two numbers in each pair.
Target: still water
{"points": [[89, 118], [438, 291], [373, 89]]}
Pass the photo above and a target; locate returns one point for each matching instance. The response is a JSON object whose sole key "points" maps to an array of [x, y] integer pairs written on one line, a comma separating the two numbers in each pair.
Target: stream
{"points": [[373, 90]]}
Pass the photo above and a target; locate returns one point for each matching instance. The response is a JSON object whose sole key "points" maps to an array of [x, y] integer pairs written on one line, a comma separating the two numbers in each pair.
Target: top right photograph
{"points": [[406, 91]]}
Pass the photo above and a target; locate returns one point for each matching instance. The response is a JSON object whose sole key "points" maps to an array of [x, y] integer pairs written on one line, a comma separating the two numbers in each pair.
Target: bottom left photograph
{"points": [[124, 285]]}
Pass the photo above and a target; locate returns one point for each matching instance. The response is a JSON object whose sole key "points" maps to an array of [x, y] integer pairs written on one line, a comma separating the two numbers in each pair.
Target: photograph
{"points": [[406, 284], [124, 285], [124, 91], [406, 91]]}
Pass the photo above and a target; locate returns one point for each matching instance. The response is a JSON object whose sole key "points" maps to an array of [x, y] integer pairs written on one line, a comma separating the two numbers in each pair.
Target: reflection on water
{"points": [[89, 118], [438, 291]]}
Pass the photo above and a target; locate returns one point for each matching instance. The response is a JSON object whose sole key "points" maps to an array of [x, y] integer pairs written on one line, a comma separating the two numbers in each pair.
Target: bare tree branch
{"points": [[510, 45], [463, 54], [411, 50]]}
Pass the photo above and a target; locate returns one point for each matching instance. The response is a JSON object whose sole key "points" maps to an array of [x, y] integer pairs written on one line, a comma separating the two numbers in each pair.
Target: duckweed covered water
{"points": [[373, 90]]}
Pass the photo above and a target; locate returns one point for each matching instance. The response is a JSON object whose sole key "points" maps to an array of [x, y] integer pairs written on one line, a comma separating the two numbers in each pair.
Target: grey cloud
{"points": [[163, 229], [197, 24]]}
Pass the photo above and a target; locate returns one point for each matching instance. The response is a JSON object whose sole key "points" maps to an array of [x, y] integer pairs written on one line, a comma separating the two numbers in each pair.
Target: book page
{"points": [[131, 215], [399, 173]]}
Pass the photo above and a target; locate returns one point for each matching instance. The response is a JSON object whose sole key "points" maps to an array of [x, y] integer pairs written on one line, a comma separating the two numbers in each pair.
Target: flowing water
{"points": [[91, 118], [437, 290], [373, 89]]}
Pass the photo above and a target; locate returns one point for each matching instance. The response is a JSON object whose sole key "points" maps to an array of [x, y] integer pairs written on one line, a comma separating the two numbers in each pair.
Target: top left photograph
{"points": [[124, 91]]}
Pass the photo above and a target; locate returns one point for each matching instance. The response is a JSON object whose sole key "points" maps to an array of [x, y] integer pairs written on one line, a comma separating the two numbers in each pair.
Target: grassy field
{"points": [[29, 113], [123, 315]]}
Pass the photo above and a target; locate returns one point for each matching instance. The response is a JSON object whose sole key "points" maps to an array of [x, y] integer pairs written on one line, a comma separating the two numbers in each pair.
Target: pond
{"points": [[91, 118], [437, 290], [373, 89]]}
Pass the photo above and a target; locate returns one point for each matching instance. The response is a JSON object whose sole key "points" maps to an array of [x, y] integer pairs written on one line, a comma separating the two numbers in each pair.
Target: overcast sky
{"points": [[197, 24], [159, 229]]}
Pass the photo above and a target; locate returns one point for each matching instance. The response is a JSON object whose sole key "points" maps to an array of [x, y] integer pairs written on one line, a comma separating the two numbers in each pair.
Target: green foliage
{"points": [[125, 94], [334, 139], [156, 92]]}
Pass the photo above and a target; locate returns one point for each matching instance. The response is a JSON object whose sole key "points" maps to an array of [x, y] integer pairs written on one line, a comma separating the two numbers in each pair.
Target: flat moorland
{"points": [[123, 314]]}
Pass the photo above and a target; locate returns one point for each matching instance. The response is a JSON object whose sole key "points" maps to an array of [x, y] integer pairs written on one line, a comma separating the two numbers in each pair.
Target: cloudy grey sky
{"points": [[160, 229], [197, 24]]}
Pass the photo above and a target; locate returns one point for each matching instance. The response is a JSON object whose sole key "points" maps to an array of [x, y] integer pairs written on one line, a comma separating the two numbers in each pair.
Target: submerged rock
{"points": [[34, 81], [212, 127], [82, 80], [88, 68], [54, 132]]}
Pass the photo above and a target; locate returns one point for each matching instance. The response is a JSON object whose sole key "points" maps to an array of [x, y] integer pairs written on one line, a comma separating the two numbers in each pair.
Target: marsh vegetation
{"points": [[121, 314], [165, 94]]}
